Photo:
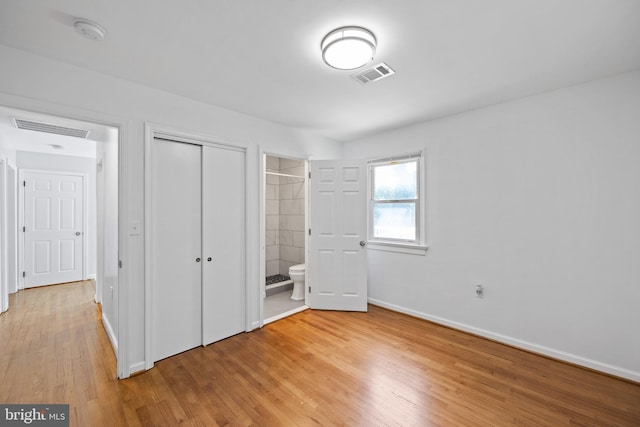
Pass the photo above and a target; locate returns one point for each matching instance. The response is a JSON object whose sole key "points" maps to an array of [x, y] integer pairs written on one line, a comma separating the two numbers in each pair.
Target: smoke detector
{"points": [[373, 74], [89, 30]]}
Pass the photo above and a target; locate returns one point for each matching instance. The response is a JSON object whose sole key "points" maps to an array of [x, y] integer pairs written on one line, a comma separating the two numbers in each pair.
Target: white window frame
{"points": [[416, 247]]}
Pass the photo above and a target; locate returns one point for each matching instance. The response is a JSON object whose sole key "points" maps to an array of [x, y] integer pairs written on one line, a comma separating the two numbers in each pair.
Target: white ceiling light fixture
{"points": [[348, 48], [89, 30]]}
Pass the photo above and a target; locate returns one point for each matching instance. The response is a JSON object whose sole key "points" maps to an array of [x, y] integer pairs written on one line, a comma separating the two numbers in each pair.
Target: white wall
{"points": [[538, 200], [4, 291], [6, 149], [32, 82], [107, 230], [8, 227], [7, 155], [11, 226]]}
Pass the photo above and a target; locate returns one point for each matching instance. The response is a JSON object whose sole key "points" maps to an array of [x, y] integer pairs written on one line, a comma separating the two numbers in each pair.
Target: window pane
{"points": [[395, 182], [394, 221]]}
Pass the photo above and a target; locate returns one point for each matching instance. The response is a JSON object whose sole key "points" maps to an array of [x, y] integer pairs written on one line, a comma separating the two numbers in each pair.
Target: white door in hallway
{"points": [[338, 218], [54, 228]]}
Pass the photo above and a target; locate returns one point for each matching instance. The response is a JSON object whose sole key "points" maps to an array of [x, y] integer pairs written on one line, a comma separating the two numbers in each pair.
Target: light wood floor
{"points": [[314, 368]]}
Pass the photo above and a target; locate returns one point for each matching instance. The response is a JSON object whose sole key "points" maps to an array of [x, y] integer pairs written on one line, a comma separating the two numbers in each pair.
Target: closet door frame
{"points": [[153, 131]]}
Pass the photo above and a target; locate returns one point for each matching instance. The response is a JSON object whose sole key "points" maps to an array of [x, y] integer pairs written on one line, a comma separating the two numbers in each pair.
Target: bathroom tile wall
{"points": [[272, 225], [291, 210], [284, 209]]}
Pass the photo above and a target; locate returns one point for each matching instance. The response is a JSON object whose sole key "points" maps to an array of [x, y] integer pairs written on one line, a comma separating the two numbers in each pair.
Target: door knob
{"points": [[197, 259], [209, 259], [362, 243], [78, 233]]}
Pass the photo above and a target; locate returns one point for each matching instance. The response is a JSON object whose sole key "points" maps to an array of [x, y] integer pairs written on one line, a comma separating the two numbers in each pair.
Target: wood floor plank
{"points": [[318, 368]]}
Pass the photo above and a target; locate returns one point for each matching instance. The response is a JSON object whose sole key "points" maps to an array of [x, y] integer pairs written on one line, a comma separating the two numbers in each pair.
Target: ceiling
{"points": [[262, 58]]}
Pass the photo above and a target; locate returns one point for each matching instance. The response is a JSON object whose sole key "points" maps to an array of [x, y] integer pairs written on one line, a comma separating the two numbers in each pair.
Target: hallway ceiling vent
{"points": [[373, 74], [50, 128]]}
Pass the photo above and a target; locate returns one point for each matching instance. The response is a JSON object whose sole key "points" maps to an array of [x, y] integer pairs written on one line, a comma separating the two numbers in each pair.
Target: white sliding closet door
{"points": [[176, 219], [223, 291], [197, 245]]}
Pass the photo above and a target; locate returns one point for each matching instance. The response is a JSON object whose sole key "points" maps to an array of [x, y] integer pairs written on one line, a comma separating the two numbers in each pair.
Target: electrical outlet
{"points": [[479, 291]]}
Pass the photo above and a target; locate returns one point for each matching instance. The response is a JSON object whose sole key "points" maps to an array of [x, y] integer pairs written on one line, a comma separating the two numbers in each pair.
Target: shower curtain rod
{"points": [[283, 174]]}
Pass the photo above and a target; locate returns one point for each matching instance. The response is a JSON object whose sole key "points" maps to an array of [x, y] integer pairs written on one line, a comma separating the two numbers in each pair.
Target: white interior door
{"points": [[338, 221], [176, 236], [223, 286], [53, 236]]}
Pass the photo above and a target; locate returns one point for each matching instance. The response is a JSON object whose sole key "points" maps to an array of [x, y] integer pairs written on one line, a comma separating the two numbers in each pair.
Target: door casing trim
{"points": [[152, 131]]}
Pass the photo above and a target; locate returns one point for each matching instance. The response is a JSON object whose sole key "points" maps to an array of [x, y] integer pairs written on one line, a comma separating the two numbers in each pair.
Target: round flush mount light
{"points": [[88, 29], [348, 48]]}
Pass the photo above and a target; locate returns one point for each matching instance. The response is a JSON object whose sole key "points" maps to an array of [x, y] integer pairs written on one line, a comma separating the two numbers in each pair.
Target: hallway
{"points": [[55, 350]]}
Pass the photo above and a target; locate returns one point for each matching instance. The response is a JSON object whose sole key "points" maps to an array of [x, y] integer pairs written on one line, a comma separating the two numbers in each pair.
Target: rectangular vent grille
{"points": [[373, 74], [49, 128]]}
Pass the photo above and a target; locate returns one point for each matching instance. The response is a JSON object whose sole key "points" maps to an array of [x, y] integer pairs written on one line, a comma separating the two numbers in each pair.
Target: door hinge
{"points": [[309, 289], [119, 263], [309, 175], [309, 232], [24, 274], [24, 229], [24, 183]]}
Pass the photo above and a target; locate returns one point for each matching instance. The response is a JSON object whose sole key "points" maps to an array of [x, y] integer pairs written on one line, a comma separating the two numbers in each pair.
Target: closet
{"points": [[197, 244]]}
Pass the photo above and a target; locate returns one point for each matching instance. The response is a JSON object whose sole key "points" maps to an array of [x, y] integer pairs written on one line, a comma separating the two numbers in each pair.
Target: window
{"points": [[395, 201]]}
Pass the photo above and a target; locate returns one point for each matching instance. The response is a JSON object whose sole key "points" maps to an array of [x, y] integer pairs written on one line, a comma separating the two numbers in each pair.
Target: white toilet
{"points": [[296, 272]]}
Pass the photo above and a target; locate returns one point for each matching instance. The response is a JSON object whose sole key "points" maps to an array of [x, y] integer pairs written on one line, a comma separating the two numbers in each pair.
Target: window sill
{"points": [[398, 247]]}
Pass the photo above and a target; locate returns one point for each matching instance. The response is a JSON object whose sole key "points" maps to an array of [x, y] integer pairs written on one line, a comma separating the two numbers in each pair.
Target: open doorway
{"points": [[61, 178], [285, 237]]}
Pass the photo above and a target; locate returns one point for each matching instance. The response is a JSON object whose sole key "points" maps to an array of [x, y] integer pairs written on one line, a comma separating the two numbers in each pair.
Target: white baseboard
{"points": [[110, 334], [137, 367], [514, 342], [94, 279]]}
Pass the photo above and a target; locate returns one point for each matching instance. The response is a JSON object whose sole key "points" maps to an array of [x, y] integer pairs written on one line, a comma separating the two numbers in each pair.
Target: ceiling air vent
{"points": [[373, 74], [49, 128]]}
